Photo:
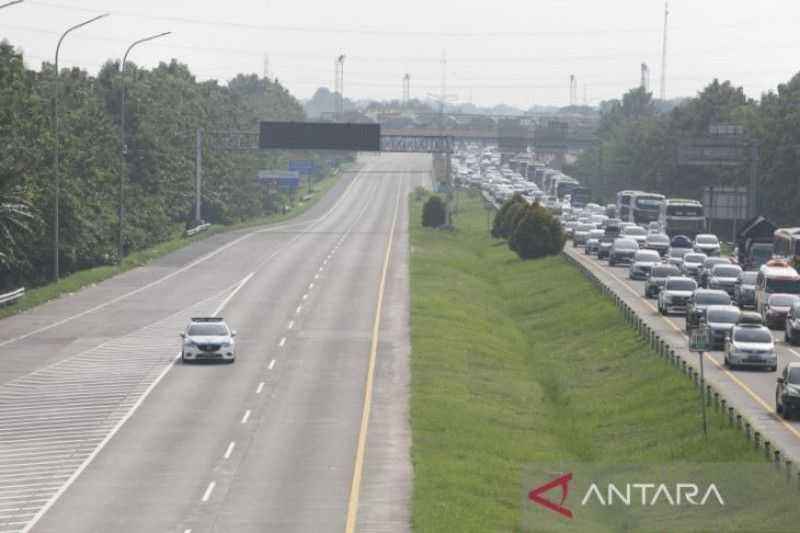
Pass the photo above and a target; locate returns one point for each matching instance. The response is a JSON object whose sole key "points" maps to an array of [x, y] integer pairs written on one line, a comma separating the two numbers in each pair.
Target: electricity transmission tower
{"points": [[664, 54], [406, 89], [573, 90], [645, 84]]}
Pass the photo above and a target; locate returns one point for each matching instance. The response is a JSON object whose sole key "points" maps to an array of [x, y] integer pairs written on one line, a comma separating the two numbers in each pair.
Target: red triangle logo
{"points": [[536, 495]]}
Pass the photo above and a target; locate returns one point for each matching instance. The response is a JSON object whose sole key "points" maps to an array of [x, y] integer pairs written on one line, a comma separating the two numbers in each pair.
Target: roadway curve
{"points": [[102, 430], [750, 392]]}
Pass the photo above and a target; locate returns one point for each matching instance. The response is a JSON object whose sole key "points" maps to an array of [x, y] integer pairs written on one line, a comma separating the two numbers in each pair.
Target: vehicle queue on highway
{"points": [[738, 300], [690, 277]]}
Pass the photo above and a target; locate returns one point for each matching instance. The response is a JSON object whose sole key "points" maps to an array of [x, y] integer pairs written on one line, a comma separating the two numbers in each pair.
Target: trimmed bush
{"points": [[537, 234], [503, 225], [434, 213]]}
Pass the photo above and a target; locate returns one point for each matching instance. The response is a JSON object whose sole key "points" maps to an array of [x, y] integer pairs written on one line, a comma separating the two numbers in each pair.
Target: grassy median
{"points": [[84, 278], [517, 362]]}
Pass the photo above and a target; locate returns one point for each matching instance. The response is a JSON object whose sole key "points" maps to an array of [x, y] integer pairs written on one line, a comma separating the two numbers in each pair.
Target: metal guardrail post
{"points": [[12, 297]]}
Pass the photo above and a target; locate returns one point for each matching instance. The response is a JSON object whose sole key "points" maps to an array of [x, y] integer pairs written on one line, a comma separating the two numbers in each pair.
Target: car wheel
{"points": [[773, 369], [786, 336], [610, 262], [779, 408], [183, 358]]}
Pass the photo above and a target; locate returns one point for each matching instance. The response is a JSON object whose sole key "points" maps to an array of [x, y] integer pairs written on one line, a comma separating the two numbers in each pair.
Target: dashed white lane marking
{"points": [[260, 388], [187, 531], [229, 451], [291, 324], [316, 276], [272, 364], [209, 491], [310, 286], [282, 343], [299, 308], [246, 417], [305, 297]]}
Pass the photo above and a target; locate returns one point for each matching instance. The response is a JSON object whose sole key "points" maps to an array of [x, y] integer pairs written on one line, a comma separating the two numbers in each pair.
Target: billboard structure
{"points": [[320, 136]]}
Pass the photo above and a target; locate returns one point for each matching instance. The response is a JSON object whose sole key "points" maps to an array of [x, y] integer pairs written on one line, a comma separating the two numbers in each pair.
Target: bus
{"points": [[786, 245], [679, 216], [645, 207], [564, 185], [624, 205], [580, 196]]}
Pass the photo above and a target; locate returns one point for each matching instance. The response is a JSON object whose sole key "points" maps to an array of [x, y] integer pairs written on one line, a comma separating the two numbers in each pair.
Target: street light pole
{"points": [[124, 146], [9, 4], [57, 188]]}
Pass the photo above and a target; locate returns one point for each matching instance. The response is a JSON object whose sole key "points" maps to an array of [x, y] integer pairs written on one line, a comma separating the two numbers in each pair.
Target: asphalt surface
{"points": [[102, 430], [751, 392]]}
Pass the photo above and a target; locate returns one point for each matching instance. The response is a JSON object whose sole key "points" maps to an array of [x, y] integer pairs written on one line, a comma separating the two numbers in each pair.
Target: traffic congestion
{"points": [[744, 298], [749, 314]]}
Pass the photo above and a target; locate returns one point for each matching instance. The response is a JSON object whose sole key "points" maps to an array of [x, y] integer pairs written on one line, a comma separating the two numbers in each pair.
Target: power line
{"points": [[371, 31]]}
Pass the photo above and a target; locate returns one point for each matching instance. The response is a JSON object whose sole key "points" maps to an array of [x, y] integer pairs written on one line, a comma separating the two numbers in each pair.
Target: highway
{"points": [[751, 392], [102, 429]]}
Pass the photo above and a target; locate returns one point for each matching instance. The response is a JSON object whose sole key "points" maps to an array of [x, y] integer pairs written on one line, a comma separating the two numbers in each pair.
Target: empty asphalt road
{"points": [[101, 429]]}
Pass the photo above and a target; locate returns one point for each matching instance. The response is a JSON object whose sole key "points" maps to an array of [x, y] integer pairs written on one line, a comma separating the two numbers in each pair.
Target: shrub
{"points": [[434, 213], [537, 234], [503, 226], [420, 193]]}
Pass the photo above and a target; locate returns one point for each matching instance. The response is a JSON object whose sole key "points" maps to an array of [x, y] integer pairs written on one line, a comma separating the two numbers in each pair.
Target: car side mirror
{"points": [[183, 335], [780, 380]]}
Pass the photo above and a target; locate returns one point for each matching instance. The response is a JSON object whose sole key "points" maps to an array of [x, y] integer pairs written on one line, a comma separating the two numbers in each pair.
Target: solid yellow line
{"points": [[741, 384], [358, 467]]}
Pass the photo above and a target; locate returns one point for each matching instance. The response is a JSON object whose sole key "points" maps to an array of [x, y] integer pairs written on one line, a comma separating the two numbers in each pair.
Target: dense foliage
{"points": [[531, 231], [434, 213], [165, 107], [636, 146]]}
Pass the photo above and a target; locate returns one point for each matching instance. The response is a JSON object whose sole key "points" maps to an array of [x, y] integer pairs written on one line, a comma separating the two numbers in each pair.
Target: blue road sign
{"points": [[281, 178], [304, 167]]}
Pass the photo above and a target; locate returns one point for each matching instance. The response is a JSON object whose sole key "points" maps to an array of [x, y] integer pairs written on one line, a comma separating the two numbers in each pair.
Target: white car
{"points": [[751, 345], [674, 296], [707, 243], [636, 233], [643, 263], [208, 339]]}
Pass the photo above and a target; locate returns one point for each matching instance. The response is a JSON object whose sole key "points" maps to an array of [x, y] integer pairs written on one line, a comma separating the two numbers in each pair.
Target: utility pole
{"points": [[266, 66], [56, 151], [664, 54], [406, 89], [198, 180], [339, 84]]}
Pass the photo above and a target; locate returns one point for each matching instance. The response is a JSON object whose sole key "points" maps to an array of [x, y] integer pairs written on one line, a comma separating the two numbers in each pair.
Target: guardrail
{"points": [[713, 397], [12, 297], [197, 229]]}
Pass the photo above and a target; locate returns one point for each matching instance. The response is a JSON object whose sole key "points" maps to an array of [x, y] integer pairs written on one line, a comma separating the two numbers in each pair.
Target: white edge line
{"points": [[86, 462], [241, 284], [53, 499], [209, 491]]}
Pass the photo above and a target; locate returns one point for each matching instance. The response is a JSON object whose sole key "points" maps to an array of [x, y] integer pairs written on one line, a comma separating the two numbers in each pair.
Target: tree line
{"points": [[164, 108], [636, 146]]}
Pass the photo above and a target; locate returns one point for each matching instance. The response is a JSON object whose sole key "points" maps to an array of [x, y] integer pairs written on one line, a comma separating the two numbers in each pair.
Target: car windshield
{"points": [[724, 316], [663, 272], [694, 258], [681, 285], [584, 227], [658, 239], [207, 330], [794, 375], [786, 286], [748, 278], [726, 271], [706, 240], [712, 298], [625, 244], [752, 335], [782, 300], [647, 255], [635, 231]]}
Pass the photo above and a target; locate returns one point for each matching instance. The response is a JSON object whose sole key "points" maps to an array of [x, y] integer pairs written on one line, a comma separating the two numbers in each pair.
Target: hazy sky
{"points": [[515, 52]]}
